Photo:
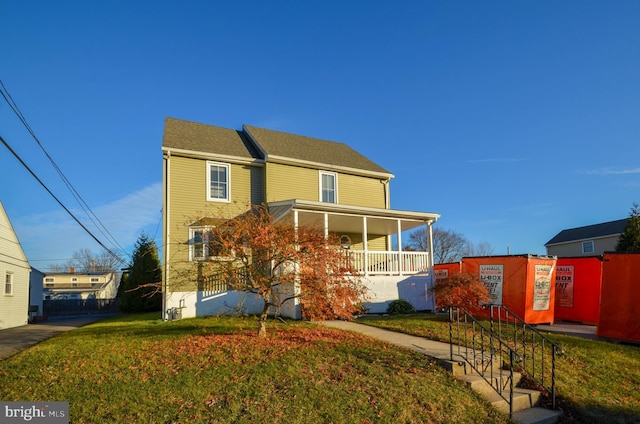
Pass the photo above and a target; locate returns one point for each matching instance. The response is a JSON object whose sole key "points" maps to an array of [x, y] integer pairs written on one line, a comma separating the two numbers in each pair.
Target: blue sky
{"points": [[513, 120]]}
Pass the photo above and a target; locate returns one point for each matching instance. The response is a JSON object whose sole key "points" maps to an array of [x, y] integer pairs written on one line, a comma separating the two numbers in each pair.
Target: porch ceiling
{"points": [[349, 219]]}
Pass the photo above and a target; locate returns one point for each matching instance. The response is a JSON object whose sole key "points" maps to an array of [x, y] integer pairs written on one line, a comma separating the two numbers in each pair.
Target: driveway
{"points": [[14, 340]]}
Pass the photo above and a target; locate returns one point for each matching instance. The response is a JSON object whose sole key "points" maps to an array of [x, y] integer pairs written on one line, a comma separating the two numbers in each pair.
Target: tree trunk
{"points": [[262, 327], [262, 322]]}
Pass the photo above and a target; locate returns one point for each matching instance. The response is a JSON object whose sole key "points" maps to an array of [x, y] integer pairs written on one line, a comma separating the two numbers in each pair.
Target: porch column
{"points": [[400, 261], [326, 226], [430, 245], [365, 247], [295, 290], [430, 264]]}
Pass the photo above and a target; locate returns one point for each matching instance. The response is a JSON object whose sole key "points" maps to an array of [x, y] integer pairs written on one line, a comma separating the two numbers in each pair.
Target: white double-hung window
{"points": [[587, 247], [218, 182], [8, 284], [328, 187]]}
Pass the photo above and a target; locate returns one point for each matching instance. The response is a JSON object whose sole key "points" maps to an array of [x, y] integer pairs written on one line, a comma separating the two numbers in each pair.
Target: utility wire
{"points": [[59, 202], [92, 216]]}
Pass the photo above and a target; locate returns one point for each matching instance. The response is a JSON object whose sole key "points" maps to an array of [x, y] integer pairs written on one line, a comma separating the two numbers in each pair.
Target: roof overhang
{"points": [[348, 218], [317, 165], [170, 151]]}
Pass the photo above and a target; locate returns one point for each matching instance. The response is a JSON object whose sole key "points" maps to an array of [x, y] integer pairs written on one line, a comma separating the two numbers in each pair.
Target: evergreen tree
{"points": [[138, 291], [630, 239]]}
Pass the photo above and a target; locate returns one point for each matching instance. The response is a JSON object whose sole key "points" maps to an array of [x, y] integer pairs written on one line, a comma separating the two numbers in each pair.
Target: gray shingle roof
{"points": [[186, 135], [254, 142], [590, 231], [308, 149]]}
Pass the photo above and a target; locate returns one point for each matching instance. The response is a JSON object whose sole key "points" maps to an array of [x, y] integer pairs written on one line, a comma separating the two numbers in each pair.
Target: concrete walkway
{"points": [[570, 329], [422, 345], [14, 340], [440, 350]]}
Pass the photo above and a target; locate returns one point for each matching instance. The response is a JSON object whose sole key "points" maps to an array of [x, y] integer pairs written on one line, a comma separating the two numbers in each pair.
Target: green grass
{"points": [[597, 381], [138, 369]]}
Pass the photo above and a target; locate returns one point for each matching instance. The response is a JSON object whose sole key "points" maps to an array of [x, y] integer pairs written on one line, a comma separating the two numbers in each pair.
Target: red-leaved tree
{"points": [[280, 263], [463, 290]]}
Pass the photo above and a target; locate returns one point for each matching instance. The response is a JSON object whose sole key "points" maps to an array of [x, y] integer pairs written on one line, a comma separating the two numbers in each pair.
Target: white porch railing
{"points": [[379, 262]]}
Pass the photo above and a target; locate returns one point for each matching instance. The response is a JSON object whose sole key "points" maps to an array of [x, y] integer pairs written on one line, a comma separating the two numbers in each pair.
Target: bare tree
{"points": [[448, 246], [84, 260], [482, 248]]}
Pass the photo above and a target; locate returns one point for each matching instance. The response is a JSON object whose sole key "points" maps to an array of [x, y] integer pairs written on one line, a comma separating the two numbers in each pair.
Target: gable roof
{"points": [[208, 139], [11, 251], [260, 144], [281, 145], [611, 228]]}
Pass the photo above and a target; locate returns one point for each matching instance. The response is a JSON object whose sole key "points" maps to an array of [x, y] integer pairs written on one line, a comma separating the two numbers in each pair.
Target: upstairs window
{"points": [[587, 247], [328, 187], [8, 284], [218, 176]]}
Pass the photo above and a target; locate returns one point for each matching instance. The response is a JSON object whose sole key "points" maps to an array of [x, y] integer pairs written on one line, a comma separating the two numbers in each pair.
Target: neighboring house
{"points": [[212, 172], [591, 240], [80, 285], [14, 271]]}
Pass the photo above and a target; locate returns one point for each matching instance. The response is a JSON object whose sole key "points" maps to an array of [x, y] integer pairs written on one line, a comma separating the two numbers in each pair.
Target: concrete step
{"points": [[524, 400], [499, 381]]}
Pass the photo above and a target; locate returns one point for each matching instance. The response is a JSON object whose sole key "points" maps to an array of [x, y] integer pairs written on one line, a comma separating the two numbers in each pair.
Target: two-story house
{"points": [[211, 173], [79, 285], [590, 240]]}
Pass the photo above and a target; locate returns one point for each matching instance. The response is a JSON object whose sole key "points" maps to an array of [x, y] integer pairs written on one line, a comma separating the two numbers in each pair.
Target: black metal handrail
{"points": [[480, 347], [537, 351]]}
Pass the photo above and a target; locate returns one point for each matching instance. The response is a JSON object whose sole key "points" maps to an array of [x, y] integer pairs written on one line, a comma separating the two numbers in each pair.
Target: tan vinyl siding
{"points": [[375, 242], [188, 190], [285, 182], [378, 242], [256, 175], [188, 203], [360, 191]]}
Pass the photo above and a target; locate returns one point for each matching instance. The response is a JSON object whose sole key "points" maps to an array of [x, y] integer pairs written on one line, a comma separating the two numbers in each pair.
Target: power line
{"points": [[59, 202], [92, 216]]}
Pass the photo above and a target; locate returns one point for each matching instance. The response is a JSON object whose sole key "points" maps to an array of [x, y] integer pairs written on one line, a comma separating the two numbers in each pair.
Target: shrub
{"points": [[462, 289], [400, 306]]}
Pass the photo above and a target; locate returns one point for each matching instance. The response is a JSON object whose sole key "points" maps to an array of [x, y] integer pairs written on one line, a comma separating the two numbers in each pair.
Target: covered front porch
{"points": [[371, 237]]}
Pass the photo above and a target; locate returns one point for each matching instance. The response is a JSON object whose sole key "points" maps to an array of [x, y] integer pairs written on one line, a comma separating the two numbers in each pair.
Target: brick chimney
{"points": [[72, 270]]}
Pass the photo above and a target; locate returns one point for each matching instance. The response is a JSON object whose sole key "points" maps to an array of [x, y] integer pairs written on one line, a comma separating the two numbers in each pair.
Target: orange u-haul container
{"points": [[522, 283], [620, 297], [578, 283], [444, 271]]}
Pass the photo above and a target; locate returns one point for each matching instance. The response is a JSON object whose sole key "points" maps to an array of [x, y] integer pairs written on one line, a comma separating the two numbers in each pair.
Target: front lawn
{"points": [[597, 381], [138, 369]]}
